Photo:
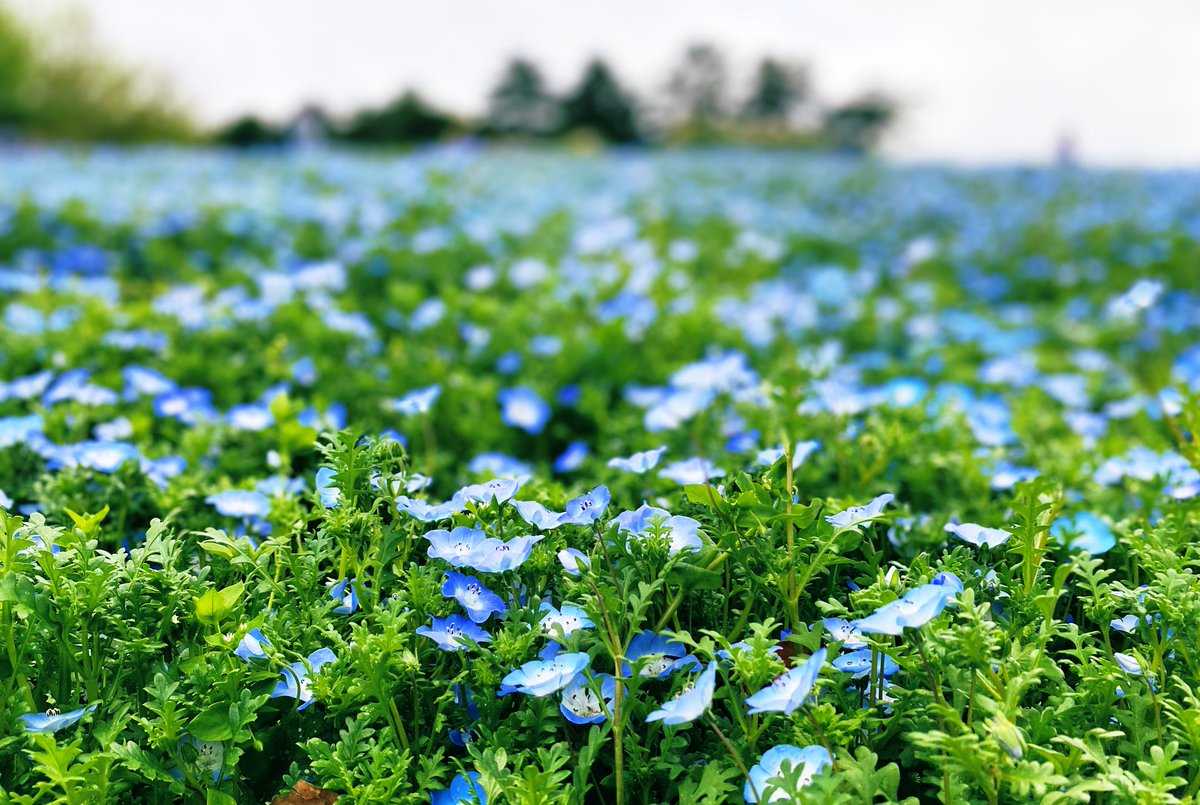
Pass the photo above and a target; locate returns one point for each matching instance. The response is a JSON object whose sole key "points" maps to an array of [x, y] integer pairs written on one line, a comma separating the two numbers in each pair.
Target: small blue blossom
{"points": [[767, 775], [680, 530], [53, 721], [573, 561], [455, 547], [572, 457], [856, 515], [250, 647], [691, 471], [588, 508], [522, 408], [1084, 531], [844, 632], [538, 515], [692, 703], [790, 690], [918, 606], [240, 503], [499, 490], [329, 493], [416, 402], [655, 655], [543, 677], [451, 633], [978, 535], [1128, 663], [345, 592], [296, 677], [426, 512], [638, 463], [858, 663], [252, 417], [479, 602], [581, 705], [463, 790], [1127, 624], [568, 619]]}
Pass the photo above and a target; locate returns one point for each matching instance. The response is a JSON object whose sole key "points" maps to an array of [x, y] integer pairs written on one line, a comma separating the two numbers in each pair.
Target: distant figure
{"points": [[1065, 155]]}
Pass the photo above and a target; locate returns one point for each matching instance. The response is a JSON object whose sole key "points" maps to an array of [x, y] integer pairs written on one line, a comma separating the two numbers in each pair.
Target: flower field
{"points": [[505, 477]]}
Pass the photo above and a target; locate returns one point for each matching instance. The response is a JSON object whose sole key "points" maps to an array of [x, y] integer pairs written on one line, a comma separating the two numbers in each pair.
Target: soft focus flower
{"points": [[416, 402], [918, 606], [1084, 531], [250, 647], [329, 493], [977, 535], [681, 531], [787, 692], [692, 703], [856, 515], [240, 503], [766, 776], [296, 679], [522, 408], [638, 463]]}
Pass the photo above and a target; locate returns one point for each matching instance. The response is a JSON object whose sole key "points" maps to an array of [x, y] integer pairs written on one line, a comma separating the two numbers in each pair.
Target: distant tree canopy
{"points": [[777, 91], [698, 87], [55, 84], [520, 104], [407, 119], [856, 127], [600, 105]]}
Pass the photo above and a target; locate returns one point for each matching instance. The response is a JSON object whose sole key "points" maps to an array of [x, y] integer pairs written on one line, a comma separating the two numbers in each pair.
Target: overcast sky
{"points": [[980, 81]]}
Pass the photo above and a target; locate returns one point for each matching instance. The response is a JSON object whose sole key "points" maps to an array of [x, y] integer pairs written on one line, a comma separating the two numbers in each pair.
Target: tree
{"points": [[520, 104], [698, 86], [778, 90], [407, 119], [599, 104], [857, 126], [249, 132]]}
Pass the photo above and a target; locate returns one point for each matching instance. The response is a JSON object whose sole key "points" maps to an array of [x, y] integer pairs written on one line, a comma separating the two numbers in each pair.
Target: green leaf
{"points": [[213, 724], [216, 604]]}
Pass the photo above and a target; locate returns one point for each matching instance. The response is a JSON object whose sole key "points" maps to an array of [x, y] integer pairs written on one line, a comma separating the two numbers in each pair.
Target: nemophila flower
{"points": [[1084, 531], [572, 457], [1128, 663], [498, 465], [691, 471], [856, 515], [451, 633], [655, 655], [161, 470], [463, 790], [586, 509], [978, 535], [568, 619], [344, 591], [788, 691], [426, 512], [581, 705], [522, 408], [638, 463], [297, 680], [240, 503], [676, 408], [844, 632], [543, 677], [692, 703], [573, 561], [416, 402], [141, 381], [1006, 475], [801, 452], [191, 406], [766, 783], [329, 493], [538, 515], [680, 530], [499, 490], [858, 663], [5, 501], [457, 546], [53, 721], [479, 602], [114, 431], [19, 429], [1127, 624], [918, 606], [251, 417], [494, 556], [105, 457], [250, 647]]}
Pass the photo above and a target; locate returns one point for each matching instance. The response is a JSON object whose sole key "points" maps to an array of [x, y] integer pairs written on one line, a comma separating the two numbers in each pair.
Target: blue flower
{"points": [[457, 546], [240, 503], [538, 515], [296, 677], [427, 513], [5, 501], [638, 463], [480, 602], [978, 535], [573, 561], [581, 705], [250, 647], [858, 663], [767, 775], [190, 406], [101, 456], [691, 471], [449, 633], [788, 692], [522, 408], [572, 457], [329, 493], [499, 490], [494, 556], [1128, 663], [918, 606], [692, 703], [463, 790], [1127, 624], [416, 402], [344, 591], [681, 531], [543, 677], [856, 515], [844, 632], [587, 509], [1086, 532], [568, 619], [1006, 475], [252, 417], [655, 655], [53, 721]]}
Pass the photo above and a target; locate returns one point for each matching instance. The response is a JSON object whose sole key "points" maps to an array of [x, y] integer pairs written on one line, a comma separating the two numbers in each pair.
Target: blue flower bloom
{"points": [[101, 456], [462, 791], [480, 602], [53, 721], [858, 664], [494, 556], [449, 633], [691, 471], [918, 606], [1127, 624], [417, 402], [499, 490], [296, 677], [856, 515], [5, 501], [568, 619], [638, 463], [844, 632], [1128, 663], [978, 535], [680, 530], [191, 406], [543, 677], [766, 776], [655, 655], [587, 509], [251, 417], [572, 457], [426, 512], [522, 408], [240, 503], [788, 691], [580, 705], [573, 561], [329, 493], [1084, 531], [250, 647], [692, 703], [344, 591], [538, 515], [457, 546]]}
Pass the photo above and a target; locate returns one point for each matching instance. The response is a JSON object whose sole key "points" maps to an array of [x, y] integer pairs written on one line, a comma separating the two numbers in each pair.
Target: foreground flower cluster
{"points": [[474, 477]]}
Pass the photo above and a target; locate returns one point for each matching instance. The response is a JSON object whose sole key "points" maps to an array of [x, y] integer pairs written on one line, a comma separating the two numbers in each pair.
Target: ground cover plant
{"points": [[636, 478]]}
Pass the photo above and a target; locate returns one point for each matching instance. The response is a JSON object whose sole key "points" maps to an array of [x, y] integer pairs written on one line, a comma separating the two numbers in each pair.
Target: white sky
{"points": [[980, 80]]}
